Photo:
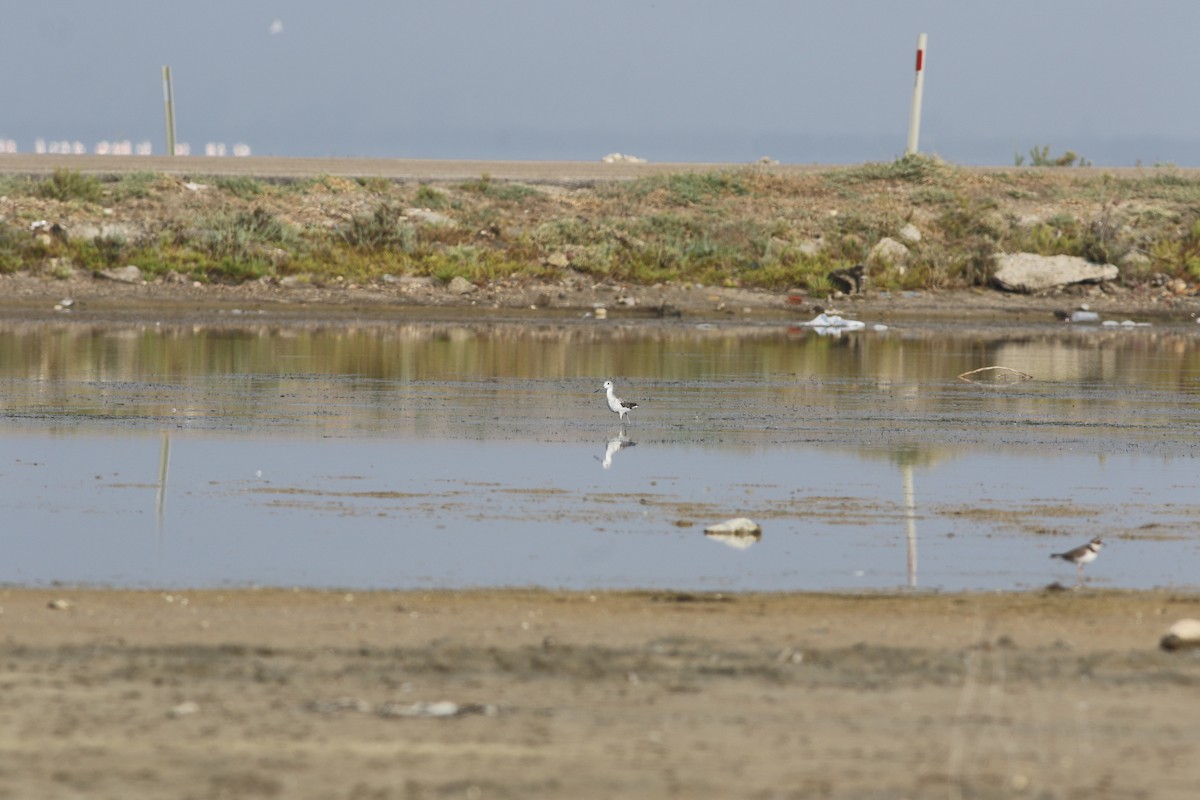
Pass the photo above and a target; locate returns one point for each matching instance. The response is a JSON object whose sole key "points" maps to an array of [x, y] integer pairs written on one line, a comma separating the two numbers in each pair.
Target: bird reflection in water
{"points": [[613, 447]]}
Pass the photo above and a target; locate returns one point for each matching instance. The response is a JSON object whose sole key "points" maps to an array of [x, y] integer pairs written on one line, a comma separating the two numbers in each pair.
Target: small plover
{"points": [[1084, 554], [616, 404]]}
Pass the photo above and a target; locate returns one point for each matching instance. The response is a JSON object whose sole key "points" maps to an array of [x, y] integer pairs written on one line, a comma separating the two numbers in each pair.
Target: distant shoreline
{"points": [[546, 238], [435, 170]]}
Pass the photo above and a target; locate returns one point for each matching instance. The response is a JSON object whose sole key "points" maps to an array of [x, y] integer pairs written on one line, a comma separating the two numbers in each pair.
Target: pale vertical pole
{"points": [[169, 102], [914, 121], [910, 515]]}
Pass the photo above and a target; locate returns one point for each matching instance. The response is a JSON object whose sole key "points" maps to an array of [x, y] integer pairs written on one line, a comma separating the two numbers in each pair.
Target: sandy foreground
{"points": [[530, 694]]}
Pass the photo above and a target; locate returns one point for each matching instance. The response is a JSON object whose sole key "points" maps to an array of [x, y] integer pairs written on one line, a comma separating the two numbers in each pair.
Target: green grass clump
{"points": [[134, 185], [239, 186], [431, 198], [502, 191], [376, 185], [917, 169], [1040, 157], [103, 252], [243, 236], [381, 229], [13, 245], [66, 185], [684, 188]]}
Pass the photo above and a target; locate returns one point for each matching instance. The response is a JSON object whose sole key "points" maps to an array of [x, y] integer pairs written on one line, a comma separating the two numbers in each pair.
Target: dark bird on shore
{"points": [[1084, 554]]}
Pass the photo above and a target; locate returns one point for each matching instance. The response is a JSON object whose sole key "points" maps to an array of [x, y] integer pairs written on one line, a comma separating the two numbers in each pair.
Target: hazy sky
{"points": [[667, 80]]}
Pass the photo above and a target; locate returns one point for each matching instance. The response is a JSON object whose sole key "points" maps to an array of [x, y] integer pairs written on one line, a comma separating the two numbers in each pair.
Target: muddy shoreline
{"points": [[531, 693], [97, 300]]}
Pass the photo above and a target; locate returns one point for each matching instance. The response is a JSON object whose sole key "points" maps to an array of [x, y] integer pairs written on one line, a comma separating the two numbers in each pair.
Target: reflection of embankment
{"points": [[734, 384], [390, 351]]}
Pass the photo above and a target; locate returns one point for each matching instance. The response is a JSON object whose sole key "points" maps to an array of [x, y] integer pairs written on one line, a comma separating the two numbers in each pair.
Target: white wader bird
{"points": [[616, 404]]}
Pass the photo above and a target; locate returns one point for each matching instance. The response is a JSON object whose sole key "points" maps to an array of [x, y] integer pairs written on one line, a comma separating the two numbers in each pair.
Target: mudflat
{"points": [[538, 693]]}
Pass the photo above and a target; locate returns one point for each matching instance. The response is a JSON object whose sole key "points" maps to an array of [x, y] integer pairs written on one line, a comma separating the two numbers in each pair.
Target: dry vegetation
{"points": [[749, 227]]}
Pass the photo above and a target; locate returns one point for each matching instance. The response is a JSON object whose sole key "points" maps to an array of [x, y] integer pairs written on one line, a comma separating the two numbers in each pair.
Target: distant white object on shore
{"points": [[1082, 314], [832, 322], [622, 158]]}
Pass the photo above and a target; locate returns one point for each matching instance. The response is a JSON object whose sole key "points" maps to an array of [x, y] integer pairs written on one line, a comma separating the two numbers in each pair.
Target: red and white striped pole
{"points": [[914, 121]]}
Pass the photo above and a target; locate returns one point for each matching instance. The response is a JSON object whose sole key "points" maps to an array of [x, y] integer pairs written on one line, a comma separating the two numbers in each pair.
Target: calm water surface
{"points": [[455, 455]]}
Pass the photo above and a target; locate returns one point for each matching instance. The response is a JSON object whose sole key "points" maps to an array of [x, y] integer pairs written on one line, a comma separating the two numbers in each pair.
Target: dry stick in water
{"points": [[1020, 375]]}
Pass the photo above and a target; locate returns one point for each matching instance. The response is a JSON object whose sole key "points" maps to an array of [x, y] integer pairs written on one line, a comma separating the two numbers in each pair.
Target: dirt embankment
{"points": [[555, 238]]}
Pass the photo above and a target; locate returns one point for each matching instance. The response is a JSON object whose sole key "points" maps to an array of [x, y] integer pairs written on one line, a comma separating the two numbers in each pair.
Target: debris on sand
{"points": [[1182, 635], [441, 709]]}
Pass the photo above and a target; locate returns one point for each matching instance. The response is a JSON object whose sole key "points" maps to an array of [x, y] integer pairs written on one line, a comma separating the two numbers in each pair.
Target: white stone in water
{"points": [[738, 526]]}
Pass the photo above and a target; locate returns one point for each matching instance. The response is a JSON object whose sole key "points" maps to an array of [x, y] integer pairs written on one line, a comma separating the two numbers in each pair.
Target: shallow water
{"points": [[408, 455]]}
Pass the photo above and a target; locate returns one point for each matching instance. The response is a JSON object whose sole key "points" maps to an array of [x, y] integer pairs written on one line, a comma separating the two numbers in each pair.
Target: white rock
{"points": [[429, 217], [1184, 633], [1029, 272], [110, 230], [126, 274], [1136, 260], [460, 285], [887, 252], [443, 708], [910, 233], [810, 247], [184, 709]]}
